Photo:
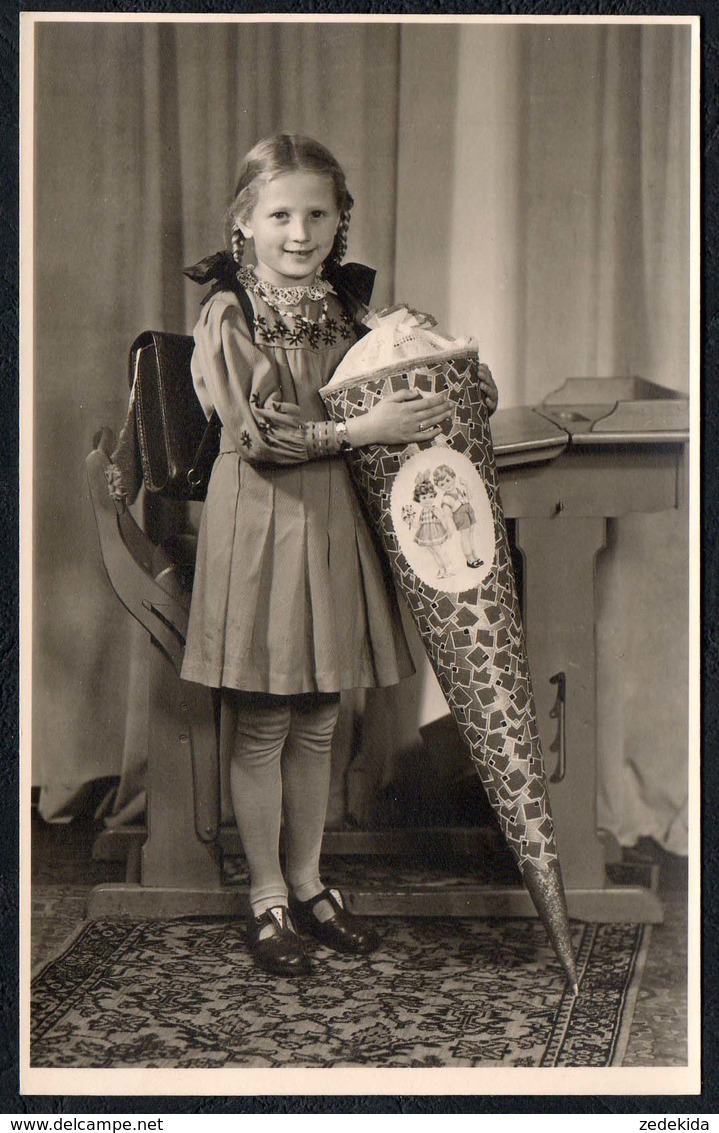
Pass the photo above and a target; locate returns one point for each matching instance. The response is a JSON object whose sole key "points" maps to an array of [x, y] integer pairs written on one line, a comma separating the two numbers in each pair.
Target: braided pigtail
{"points": [[339, 247], [240, 208], [237, 243]]}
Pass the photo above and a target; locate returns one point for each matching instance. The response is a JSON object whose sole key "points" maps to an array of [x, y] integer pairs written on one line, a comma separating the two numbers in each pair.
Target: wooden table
{"points": [[608, 460]]}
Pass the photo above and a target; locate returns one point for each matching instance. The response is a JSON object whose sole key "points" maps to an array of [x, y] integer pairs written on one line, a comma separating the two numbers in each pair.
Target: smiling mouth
{"points": [[303, 252]]}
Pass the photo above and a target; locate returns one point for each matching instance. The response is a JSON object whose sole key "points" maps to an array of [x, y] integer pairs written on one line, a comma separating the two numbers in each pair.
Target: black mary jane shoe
{"points": [[342, 931], [279, 952]]}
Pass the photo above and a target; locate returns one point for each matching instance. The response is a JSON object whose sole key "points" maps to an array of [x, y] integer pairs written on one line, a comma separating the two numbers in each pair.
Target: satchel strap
{"points": [[247, 308], [207, 450]]}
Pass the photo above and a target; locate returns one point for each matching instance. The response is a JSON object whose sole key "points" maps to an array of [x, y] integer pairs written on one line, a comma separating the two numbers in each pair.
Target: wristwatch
{"points": [[341, 434]]}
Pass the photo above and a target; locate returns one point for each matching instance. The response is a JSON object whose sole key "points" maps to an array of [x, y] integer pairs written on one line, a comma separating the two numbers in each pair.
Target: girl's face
{"points": [[293, 227], [425, 492]]}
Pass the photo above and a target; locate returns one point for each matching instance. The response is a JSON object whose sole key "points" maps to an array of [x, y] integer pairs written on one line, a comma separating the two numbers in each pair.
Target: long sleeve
{"points": [[234, 376]]}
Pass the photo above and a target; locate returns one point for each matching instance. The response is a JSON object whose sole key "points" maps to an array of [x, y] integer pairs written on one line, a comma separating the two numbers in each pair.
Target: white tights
{"points": [[280, 765]]}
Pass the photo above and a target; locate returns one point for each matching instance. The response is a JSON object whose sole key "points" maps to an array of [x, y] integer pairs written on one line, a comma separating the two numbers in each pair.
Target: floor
{"points": [[63, 871]]}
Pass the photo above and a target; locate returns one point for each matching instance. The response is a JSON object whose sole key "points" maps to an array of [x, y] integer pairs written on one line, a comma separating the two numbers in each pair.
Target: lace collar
{"points": [[283, 296]]}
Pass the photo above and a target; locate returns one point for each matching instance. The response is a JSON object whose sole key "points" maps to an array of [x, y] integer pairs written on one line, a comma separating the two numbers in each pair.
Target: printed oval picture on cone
{"points": [[443, 519]]}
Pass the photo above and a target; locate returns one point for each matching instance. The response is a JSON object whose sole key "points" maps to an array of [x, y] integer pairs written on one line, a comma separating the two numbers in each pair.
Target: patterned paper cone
{"points": [[437, 510]]}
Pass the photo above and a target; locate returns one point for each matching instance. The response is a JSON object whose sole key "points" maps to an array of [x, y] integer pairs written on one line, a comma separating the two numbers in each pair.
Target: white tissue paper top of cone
{"points": [[399, 335]]}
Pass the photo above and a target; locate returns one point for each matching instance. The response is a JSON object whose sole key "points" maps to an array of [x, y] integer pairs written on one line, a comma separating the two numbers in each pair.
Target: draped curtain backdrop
{"points": [[527, 184]]}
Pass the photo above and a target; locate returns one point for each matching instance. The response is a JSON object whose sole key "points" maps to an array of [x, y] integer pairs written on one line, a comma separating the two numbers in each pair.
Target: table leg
{"points": [[559, 555], [559, 617]]}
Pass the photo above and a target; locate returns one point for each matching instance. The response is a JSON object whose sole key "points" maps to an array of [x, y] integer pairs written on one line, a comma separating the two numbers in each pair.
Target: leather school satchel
{"points": [[177, 444]]}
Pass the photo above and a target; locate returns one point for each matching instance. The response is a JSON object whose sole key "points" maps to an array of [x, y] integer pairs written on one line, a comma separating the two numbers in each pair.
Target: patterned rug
{"points": [[438, 993], [58, 911]]}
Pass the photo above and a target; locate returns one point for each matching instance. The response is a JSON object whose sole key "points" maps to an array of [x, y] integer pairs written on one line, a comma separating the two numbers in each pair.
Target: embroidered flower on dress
{"points": [[313, 332], [245, 439], [295, 334], [293, 328], [267, 332]]}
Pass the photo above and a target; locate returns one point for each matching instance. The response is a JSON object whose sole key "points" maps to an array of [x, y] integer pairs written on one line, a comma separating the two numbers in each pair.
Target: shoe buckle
{"points": [[280, 917], [338, 897]]}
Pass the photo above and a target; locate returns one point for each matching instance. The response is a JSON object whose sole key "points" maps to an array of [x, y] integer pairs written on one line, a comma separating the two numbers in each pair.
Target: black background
{"points": [[11, 1102]]}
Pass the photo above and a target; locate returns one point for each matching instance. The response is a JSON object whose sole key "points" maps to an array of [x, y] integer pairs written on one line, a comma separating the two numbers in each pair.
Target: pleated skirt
{"points": [[290, 593]]}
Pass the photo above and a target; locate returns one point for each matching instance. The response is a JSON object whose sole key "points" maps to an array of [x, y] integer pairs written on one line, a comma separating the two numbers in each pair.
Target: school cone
{"points": [[437, 511]]}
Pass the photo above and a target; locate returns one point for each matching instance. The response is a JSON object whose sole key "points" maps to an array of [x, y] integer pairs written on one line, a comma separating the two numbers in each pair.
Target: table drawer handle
{"points": [[559, 713]]}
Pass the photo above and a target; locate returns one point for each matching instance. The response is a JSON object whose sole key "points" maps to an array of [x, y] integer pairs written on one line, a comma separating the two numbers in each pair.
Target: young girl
{"points": [[291, 602], [431, 530]]}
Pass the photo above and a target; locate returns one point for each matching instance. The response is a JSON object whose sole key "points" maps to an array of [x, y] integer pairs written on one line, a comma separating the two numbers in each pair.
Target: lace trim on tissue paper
{"points": [[398, 335]]}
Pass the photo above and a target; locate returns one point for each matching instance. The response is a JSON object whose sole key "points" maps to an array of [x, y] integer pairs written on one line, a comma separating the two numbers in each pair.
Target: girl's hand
{"points": [[490, 395], [401, 418]]}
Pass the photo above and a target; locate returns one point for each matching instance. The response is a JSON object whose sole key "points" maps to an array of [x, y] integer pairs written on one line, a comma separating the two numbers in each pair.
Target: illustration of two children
{"points": [[445, 508]]}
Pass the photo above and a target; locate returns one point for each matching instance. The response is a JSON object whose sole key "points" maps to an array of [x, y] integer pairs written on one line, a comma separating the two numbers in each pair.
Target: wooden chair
{"points": [[180, 857]]}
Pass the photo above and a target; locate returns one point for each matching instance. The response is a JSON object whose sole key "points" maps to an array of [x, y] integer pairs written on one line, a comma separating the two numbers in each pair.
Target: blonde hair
{"points": [[443, 472], [286, 153]]}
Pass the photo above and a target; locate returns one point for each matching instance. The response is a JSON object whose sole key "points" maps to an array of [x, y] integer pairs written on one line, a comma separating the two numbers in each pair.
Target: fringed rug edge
{"points": [[630, 999]]}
